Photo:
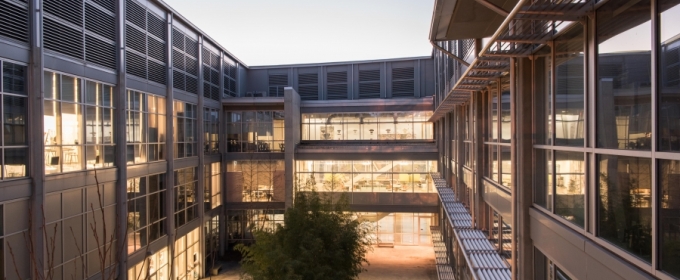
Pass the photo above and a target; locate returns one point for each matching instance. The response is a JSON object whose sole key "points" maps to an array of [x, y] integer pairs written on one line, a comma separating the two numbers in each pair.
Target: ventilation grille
{"points": [[308, 86], [184, 61], [100, 22], [229, 76], [336, 77], [100, 52], [145, 43], [109, 5], [211, 74], [61, 38], [336, 91], [70, 11], [403, 82], [14, 20], [369, 84], [276, 84]]}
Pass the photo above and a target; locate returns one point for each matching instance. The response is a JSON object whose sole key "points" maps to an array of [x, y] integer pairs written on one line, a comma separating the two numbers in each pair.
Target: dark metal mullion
{"points": [[654, 121]]}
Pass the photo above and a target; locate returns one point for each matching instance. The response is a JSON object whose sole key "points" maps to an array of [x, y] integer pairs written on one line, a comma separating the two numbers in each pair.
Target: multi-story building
{"points": [[120, 117], [558, 135]]}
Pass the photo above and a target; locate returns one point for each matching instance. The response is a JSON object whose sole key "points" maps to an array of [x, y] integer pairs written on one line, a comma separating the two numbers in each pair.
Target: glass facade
{"points": [[154, 267], [255, 131], [188, 263], [365, 176], [14, 109], [146, 210], [398, 228], [255, 181], [78, 124], [185, 132], [186, 187], [145, 127], [212, 186], [367, 126], [211, 124]]}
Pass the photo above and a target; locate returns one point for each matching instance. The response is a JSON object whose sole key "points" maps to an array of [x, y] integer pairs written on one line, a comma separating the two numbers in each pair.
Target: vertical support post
{"points": [[35, 136], [200, 110], [169, 147], [291, 106], [120, 140]]}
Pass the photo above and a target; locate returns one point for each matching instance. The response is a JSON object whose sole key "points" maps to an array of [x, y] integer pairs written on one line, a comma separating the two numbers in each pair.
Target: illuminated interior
{"points": [[367, 126]]}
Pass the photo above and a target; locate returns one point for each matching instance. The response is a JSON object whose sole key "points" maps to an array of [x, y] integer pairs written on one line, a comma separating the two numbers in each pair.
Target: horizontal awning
{"points": [[528, 26], [467, 19]]}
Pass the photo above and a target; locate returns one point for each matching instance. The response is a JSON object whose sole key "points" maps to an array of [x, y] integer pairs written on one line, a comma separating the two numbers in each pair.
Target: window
{"points": [[255, 131], [669, 77], [14, 109], [367, 126], [211, 124], [366, 176], [186, 186], [569, 88], [146, 211], [187, 264], [145, 127], [156, 266], [213, 186], [624, 203], [78, 124], [185, 130], [255, 181], [498, 143], [624, 75]]}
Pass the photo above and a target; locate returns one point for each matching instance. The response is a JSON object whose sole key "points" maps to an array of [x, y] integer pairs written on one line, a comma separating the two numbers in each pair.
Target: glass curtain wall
{"points": [[146, 210], [188, 263], [498, 141], [367, 126], [78, 124], [14, 106], [255, 131], [365, 176], [212, 186], [186, 187], [186, 131], [145, 127], [211, 124], [255, 181]]}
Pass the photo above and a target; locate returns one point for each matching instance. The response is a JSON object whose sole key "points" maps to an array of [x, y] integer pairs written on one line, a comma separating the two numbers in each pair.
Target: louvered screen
{"points": [[211, 73], [14, 20], [308, 86], [61, 38], [336, 85], [276, 84], [185, 61], [369, 84], [403, 82], [145, 39]]}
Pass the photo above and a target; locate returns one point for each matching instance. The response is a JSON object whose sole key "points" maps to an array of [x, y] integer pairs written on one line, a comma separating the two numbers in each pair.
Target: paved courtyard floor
{"points": [[400, 262]]}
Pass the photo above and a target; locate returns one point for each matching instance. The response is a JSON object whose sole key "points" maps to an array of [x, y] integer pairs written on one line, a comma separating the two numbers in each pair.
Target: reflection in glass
{"points": [[367, 126], [543, 179], [624, 208], [365, 176], [543, 88], [669, 216], [623, 75], [259, 131], [505, 113], [506, 166], [569, 86], [570, 186], [669, 76]]}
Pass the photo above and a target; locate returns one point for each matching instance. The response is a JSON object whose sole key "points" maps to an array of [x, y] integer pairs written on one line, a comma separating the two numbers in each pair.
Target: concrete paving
{"points": [[400, 262]]}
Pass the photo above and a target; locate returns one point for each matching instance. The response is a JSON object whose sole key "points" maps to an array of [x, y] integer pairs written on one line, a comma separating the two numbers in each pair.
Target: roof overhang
{"points": [[467, 19]]}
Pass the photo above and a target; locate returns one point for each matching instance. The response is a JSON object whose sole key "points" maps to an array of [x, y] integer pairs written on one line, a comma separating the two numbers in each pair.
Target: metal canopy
{"points": [[528, 26]]}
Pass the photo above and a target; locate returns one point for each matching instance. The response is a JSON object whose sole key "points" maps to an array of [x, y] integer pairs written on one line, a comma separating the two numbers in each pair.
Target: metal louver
{"points": [[100, 52], [185, 62], [145, 43], [308, 86], [403, 82], [369, 84], [135, 14], [211, 74], [61, 38], [229, 77], [109, 5], [276, 84], [100, 22], [14, 20], [336, 85], [68, 10]]}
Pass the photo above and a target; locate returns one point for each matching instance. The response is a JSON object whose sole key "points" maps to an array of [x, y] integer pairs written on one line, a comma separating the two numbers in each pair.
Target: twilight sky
{"points": [[272, 32]]}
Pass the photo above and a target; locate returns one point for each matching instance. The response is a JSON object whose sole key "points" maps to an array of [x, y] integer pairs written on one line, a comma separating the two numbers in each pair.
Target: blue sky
{"points": [[272, 32]]}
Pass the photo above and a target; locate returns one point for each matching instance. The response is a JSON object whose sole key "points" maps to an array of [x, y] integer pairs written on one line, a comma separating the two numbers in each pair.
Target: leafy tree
{"points": [[319, 240]]}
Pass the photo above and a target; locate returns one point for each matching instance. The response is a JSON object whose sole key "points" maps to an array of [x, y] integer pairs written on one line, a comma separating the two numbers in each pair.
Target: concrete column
{"points": [[120, 140], [521, 156], [200, 197], [291, 107], [35, 134], [169, 149]]}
